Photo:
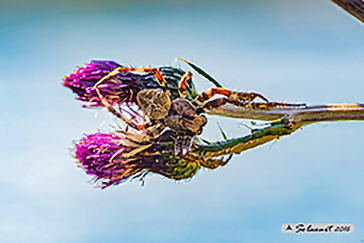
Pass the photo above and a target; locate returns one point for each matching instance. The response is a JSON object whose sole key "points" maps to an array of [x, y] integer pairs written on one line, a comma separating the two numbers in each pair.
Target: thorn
{"points": [[201, 72], [222, 132]]}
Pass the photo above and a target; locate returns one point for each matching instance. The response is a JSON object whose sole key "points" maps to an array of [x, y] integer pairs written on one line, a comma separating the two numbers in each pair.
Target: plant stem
{"points": [[298, 115], [353, 7]]}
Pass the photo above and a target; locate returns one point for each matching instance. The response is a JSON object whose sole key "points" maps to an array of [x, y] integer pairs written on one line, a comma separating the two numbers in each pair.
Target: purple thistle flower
{"points": [[106, 156], [118, 89]]}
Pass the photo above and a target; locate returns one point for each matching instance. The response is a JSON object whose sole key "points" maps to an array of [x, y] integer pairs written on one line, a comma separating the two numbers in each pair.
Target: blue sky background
{"points": [[298, 51]]}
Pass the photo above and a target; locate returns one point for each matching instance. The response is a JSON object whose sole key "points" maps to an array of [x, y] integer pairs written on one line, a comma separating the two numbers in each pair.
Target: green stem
{"points": [[256, 138]]}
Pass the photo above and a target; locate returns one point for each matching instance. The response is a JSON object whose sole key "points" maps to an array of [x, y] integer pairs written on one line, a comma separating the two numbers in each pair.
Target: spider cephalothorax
{"points": [[154, 102], [179, 114]]}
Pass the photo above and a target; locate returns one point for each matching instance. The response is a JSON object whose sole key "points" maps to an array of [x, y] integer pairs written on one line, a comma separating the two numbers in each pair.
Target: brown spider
{"points": [[180, 115]]}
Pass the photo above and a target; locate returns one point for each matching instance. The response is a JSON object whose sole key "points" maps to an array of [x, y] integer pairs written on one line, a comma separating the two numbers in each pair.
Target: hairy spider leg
{"points": [[133, 125], [213, 104], [138, 127], [157, 131], [115, 72], [103, 100], [158, 75], [182, 84], [241, 96], [207, 162]]}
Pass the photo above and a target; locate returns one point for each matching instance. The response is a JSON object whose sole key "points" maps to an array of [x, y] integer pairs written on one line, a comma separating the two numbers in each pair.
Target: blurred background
{"points": [[297, 51]]}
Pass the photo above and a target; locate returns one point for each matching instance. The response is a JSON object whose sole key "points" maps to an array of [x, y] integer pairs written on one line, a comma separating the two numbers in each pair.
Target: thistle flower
{"points": [[118, 89], [110, 158]]}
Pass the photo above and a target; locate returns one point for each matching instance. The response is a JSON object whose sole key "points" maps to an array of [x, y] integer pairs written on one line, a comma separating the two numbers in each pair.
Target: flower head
{"points": [[117, 89], [112, 160]]}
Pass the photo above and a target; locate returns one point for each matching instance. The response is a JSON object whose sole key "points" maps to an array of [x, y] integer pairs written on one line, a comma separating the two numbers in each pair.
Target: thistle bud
{"points": [[108, 157]]}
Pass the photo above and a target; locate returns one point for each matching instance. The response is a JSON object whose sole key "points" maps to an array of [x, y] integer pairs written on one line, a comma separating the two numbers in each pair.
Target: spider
{"points": [[180, 115]]}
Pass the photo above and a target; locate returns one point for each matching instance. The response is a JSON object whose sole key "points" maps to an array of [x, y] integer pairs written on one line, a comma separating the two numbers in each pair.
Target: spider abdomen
{"points": [[183, 118]]}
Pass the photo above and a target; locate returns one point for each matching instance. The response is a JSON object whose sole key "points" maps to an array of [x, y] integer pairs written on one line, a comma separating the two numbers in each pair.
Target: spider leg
{"points": [[213, 104], [182, 84], [241, 96], [130, 122], [103, 100], [208, 162], [157, 131], [158, 75], [138, 127], [155, 71], [115, 72]]}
